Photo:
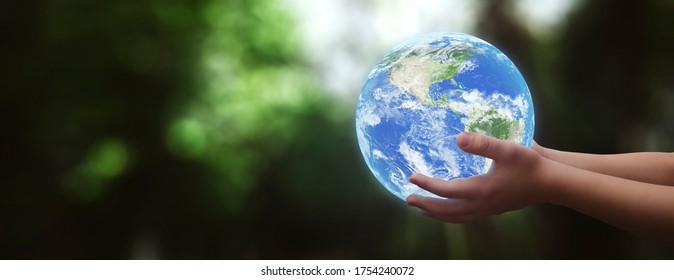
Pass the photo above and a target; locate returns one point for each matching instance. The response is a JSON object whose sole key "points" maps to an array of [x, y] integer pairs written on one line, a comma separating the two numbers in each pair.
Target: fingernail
{"points": [[463, 139], [411, 178]]}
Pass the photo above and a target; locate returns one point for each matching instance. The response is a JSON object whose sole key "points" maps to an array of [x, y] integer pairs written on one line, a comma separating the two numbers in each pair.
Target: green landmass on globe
{"points": [[425, 92]]}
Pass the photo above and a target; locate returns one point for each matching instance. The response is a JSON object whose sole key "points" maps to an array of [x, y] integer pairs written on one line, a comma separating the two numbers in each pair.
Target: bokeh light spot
{"points": [[186, 137], [107, 159]]}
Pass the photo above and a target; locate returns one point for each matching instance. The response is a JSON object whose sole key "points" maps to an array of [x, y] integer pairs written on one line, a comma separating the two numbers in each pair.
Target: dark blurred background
{"points": [[203, 129]]}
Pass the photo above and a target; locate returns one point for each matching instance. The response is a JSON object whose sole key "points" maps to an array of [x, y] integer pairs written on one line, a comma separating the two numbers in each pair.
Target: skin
{"points": [[630, 191]]}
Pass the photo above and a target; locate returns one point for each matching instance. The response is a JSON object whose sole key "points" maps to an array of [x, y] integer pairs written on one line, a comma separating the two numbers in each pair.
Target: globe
{"points": [[426, 91]]}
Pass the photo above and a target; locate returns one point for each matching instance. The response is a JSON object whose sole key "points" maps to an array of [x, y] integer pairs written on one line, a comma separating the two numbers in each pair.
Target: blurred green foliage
{"points": [[196, 129], [251, 89], [86, 182]]}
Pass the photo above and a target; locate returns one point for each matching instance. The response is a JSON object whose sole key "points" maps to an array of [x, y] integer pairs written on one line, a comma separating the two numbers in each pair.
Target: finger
{"points": [[457, 188], [441, 206], [486, 146]]}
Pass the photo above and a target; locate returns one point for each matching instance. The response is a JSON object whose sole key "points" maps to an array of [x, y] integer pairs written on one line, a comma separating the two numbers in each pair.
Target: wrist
{"points": [[546, 179], [547, 153]]}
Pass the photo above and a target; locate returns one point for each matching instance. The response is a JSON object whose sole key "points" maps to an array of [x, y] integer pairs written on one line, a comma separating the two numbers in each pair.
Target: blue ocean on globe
{"points": [[426, 91]]}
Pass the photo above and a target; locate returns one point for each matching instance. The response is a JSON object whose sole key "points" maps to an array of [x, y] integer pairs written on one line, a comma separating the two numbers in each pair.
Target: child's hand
{"points": [[634, 191], [512, 183]]}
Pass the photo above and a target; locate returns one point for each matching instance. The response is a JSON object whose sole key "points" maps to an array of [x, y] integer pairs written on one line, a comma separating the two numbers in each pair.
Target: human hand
{"points": [[543, 151], [513, 182]]}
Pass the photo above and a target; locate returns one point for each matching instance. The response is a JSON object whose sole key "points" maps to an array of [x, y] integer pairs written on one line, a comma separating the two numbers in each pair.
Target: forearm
{"points": [[638, 207], [650, 167]]}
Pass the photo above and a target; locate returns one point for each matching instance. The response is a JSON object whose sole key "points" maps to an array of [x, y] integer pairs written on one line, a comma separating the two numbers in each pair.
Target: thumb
{"points": [[486, 146]]}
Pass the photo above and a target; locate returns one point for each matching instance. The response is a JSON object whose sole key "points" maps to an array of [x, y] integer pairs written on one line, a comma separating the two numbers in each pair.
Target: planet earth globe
{"points": [[426, 91]]}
